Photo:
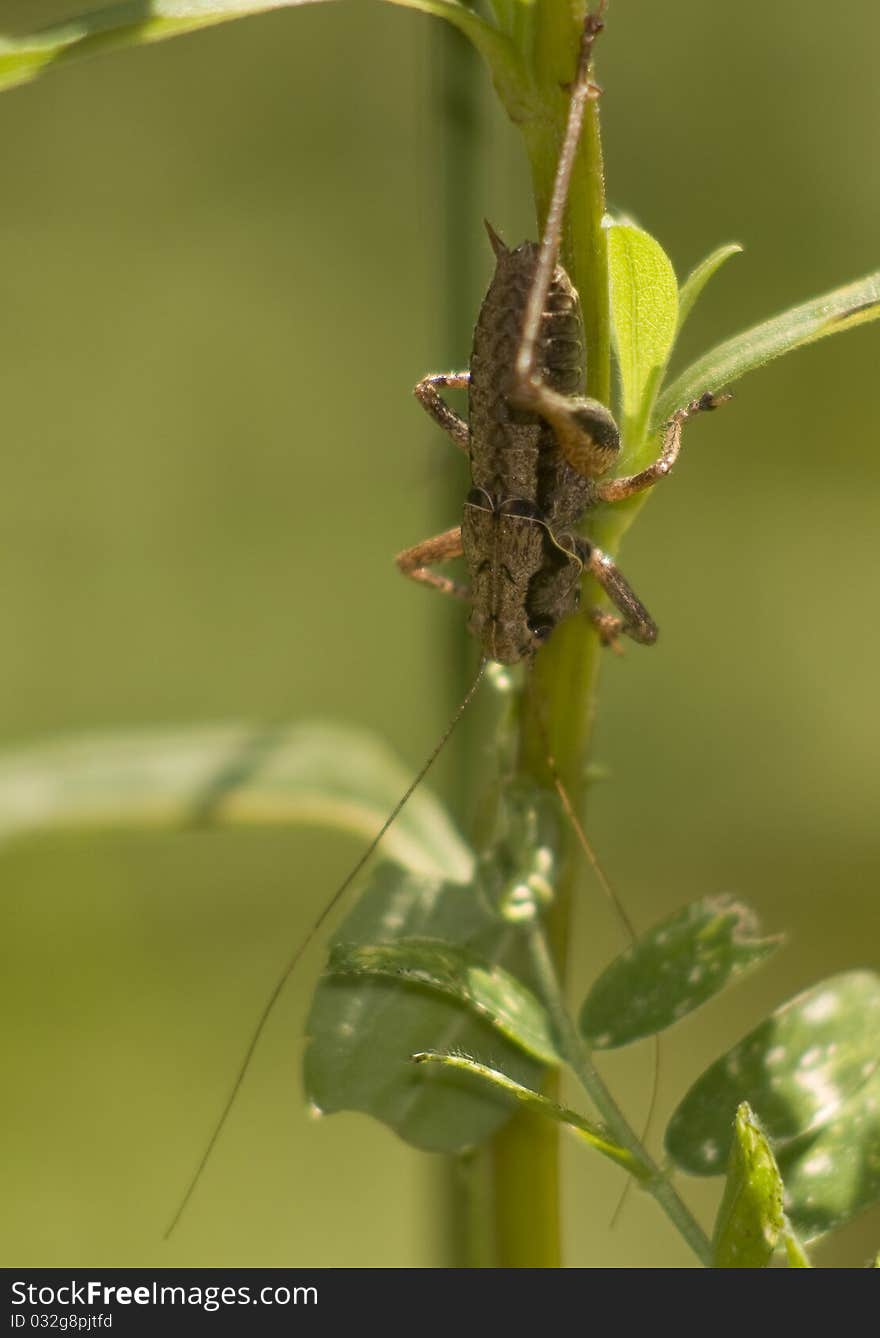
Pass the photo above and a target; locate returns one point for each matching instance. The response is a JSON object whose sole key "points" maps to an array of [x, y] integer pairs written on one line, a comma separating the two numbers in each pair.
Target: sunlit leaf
{"points": [[133, 23], [136, 22], [229, 775], [591, 1133], [797, 1070], [835, 1174], [364, 1030], [698, 278], [672, 969], [489, 991], [644, 315], [750, 1217], [852, 305]]}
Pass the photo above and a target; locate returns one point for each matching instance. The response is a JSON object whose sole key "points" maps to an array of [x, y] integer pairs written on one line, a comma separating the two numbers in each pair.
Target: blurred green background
{"points": [[224, 272]]}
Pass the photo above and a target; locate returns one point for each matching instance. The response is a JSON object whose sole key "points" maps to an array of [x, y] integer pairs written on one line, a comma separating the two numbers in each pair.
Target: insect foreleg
{"points": [[615, 490], [427, 392], [416, 562]]}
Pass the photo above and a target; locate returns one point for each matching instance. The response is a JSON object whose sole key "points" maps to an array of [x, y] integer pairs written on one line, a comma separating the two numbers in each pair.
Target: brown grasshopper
{"points": [[538, 448]]}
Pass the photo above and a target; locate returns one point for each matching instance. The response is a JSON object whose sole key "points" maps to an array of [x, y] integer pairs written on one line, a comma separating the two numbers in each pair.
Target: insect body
{"points": [[538, 448]]}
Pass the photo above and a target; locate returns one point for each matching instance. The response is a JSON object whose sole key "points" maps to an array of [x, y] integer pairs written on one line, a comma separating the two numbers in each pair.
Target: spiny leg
{"points": [[416, 562], [585, 430], [427, 392], [635, 622], [615, 490]]}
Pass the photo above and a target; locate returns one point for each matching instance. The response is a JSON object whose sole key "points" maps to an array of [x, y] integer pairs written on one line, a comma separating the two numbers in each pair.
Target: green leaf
{"points": [[229, 775], [796, 1070], [133, 23], [835, 1174], [489, 991], [795, 1253], [644, 316], [839, 310], [698, 278], [364, 1030], [591, 1133], [137, 22], [750, 1218], [673, 969]]}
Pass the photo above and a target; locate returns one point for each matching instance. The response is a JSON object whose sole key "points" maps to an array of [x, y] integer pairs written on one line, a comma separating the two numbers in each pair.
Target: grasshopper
{"points": [[538, 450], [538, 447]]}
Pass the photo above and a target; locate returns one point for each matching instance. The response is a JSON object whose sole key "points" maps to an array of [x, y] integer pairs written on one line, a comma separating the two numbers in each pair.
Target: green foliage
{"points": [[133, 23], [797, 1071], [363, 1029], [644, 320], [833, 1174], [591, 1133], [228, 775], [750, 1218], [673, 969], [842, 309], [485, 989]]}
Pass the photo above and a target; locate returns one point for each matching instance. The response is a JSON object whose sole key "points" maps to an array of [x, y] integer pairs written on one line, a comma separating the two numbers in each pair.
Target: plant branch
{"points": [[580, 1060]]}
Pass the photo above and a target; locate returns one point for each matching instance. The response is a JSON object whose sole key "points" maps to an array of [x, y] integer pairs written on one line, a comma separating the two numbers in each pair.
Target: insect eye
{"points": [[540, 631]]}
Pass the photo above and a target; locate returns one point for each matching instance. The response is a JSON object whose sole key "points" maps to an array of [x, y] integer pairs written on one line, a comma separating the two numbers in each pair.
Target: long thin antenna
{"points": [[291, 965], [582, 92]]}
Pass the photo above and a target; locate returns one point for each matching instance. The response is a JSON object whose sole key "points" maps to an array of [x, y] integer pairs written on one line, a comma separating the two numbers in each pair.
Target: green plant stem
{"points": [[579, 1058], [558, 706]]}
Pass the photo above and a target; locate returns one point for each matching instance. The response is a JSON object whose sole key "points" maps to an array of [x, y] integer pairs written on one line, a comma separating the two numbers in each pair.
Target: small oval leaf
{"points": [[835, 1174], [229, 775], [489, 991], [364, 1030], [644, 315], [796, 1070], [673, 969], [750, 1217]]}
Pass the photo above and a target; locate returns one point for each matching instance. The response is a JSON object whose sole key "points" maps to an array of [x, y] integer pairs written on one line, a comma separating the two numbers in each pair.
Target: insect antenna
{"points": [[278, 989]]}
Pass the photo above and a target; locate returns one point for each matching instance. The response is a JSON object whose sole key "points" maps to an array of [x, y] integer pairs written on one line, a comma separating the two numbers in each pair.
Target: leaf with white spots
{"points": [[835, 1174], [750, 1217], [673, 969], [364, 1029], [486, 989], [797, 1070]]}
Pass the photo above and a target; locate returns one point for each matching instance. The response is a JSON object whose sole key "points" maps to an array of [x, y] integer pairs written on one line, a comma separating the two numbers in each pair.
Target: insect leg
{"points": [[416, 562], [526, 378], [615, 490], [636, 621], [427, 392]]}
